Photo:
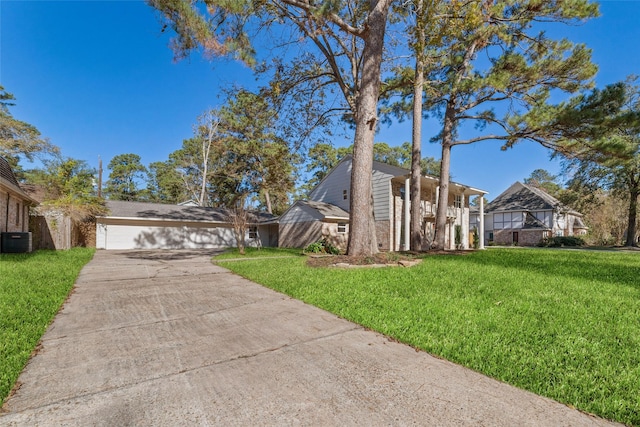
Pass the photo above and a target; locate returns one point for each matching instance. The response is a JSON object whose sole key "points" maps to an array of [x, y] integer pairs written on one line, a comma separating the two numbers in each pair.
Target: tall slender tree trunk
{"points": [[267, 200], [415, 228], [362, 230], [443, 197], [205, 173], [634, 193]]}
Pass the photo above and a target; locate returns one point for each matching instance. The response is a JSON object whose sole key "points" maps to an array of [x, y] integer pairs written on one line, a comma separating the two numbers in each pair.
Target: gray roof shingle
{"points": [[144, 210], [327, 210], [522, 197], [8, 179], [7, 173]]}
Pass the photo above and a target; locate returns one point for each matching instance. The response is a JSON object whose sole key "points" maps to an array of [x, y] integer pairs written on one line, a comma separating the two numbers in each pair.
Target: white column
{"points": [[407, 214], [452, 233], [464, 225], [481, 231]]}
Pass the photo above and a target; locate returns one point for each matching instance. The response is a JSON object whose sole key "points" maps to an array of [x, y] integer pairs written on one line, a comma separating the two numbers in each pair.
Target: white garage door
{"points": [[158, 237]]}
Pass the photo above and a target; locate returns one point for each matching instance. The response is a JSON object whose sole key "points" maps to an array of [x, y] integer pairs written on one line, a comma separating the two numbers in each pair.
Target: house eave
{"points": [[17, 191], [432, 180], [137, 218]]}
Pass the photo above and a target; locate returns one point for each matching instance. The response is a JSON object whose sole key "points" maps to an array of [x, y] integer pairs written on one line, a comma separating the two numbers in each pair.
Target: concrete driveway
{"points": [[167, 338]]}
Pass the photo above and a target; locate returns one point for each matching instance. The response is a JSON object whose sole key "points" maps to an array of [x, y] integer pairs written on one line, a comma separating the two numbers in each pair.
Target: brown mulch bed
{"points": [[321, 260]]}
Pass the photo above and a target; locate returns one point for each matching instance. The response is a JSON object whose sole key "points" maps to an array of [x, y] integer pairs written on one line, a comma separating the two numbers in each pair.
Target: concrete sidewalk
{"points": [[167, 338]]}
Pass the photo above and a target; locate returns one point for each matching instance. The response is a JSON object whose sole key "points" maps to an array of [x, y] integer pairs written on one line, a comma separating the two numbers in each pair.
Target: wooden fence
{"points": [[55, 230]]}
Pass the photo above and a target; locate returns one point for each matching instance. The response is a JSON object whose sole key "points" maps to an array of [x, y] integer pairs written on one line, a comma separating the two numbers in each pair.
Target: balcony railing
{"points": [[429, 210]]}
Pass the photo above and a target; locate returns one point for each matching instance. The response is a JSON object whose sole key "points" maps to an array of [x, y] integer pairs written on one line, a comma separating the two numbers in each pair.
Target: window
{"points": [[544, 217], [474, 220], [508, 220], [342, 227], [253, 232], [18, 213], [457, 202], [344, 195]]}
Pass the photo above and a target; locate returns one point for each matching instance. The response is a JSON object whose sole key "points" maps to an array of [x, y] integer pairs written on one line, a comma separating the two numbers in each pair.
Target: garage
{"points": [[138, 225]]}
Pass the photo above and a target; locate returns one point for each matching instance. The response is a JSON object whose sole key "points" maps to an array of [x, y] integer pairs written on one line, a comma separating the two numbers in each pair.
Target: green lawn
{"points": [[32, 289], [563, 324]]}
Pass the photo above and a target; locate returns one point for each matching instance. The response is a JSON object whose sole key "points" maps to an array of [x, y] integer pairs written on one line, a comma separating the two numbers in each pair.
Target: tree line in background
{"points": [[486, 65]]}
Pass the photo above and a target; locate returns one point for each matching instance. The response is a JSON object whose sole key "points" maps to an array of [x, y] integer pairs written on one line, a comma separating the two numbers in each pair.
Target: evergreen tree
{"points": [[126, 171]]}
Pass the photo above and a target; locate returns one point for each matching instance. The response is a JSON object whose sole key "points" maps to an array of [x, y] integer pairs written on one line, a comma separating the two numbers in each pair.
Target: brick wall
{"points": [[525, 237], [15, 218]]}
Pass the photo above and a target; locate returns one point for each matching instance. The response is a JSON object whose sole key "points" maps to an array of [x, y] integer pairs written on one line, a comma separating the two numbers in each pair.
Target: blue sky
{"points": [[98, 79]]}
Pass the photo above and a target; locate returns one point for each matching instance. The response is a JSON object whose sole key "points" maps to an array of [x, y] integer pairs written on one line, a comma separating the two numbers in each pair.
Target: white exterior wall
{"points": [[299, 213], [331, 189], [381, 183], [132, 234]]}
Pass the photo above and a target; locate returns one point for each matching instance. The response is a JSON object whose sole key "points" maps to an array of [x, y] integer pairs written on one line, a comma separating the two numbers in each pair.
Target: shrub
{"points": [[561, 241], [322, 246]]}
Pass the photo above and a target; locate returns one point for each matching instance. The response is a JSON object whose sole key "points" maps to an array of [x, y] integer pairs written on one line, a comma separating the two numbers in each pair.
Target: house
{"points": [[326, 214], [526, 215], [306, 221], [14, 208], [138, 225]]}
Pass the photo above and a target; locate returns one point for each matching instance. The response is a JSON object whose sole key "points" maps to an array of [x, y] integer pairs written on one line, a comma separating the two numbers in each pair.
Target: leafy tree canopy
{"points": [[126, 171], [69, 185], [541, 178], [18, 138], [601, 144]]}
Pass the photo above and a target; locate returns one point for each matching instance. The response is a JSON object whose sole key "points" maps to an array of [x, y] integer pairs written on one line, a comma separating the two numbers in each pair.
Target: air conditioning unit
{"points": [[15, 242]]}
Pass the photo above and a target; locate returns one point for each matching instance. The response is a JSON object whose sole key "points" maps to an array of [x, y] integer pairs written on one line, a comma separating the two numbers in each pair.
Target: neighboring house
{"points": [[326, 214], [137, 225], [14, 209], [526, 215]]}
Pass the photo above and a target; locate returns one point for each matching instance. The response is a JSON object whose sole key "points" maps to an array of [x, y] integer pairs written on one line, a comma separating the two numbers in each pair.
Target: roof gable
{"points": [[327, 210], [522, 197], [7, 173], [8, 180]]}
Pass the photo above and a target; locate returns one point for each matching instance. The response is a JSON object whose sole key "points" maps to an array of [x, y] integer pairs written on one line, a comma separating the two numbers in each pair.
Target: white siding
{"points": [[382, 199], [331, 188], [299, 213], [488, 222]]}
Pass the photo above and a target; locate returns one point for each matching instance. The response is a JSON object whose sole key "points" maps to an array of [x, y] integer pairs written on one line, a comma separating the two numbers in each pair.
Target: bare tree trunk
{"points": [[205, 173], [416, 143], [362, 231], [267, 200], [239, 222], [208, 130], [443, 197], [634, 193]]}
